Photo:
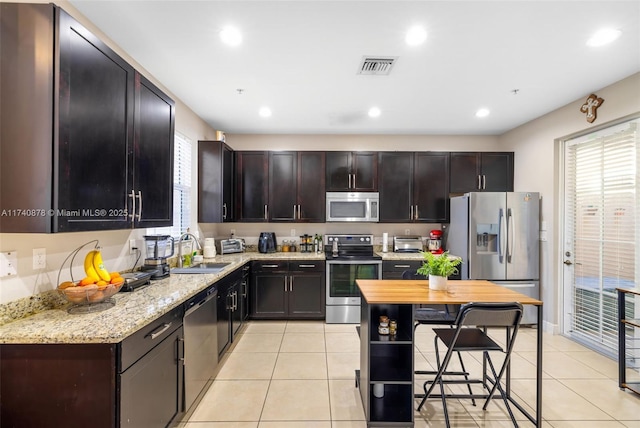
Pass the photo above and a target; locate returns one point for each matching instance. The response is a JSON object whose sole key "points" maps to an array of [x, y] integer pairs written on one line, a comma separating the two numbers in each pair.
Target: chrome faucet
{"points": [[187, 234]]}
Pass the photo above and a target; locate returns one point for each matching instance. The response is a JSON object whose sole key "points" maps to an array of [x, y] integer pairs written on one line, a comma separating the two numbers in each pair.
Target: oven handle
{"points": [[354, 262]]}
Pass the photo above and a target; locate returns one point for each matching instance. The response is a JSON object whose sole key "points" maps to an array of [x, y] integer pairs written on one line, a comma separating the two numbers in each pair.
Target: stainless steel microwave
{"points": [[353, 206]]}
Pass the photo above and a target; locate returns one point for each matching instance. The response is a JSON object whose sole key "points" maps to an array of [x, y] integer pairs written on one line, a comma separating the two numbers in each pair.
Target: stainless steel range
{"points": [[349, 257]]}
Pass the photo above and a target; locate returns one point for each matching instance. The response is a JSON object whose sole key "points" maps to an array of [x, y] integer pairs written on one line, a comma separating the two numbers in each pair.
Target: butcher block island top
{"points": [[398, 291]]}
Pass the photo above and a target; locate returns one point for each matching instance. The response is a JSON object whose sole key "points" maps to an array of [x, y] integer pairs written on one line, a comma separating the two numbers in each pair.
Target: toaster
{"points": [[229, 246], [407, 244]]}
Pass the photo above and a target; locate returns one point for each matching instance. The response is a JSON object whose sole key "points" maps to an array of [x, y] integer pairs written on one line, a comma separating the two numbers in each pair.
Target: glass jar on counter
{"points": [[285, 246]]}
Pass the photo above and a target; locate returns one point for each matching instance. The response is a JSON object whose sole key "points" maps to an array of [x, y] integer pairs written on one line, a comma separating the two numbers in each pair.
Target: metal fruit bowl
{"points": [[91, 297], [88, 294]]}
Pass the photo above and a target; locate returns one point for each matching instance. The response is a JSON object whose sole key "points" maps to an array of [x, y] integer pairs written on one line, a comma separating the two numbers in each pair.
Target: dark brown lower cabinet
{"points": [[137, 383], [288, 290], [58, 386]]}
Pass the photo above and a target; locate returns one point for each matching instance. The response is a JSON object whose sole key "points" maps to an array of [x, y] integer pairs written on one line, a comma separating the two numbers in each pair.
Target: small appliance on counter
{"points": [[135, 280], [435, 242], [230, 246], [267, 242], [159, 249], [407, 244], [209, 248]]}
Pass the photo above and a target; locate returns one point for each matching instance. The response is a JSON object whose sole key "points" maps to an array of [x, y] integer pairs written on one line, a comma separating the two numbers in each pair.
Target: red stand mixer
{"points": [[435, 242]]}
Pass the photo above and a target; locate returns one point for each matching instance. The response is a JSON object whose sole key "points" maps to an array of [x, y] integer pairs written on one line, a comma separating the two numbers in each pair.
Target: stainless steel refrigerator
{"points": [[497, 236]]}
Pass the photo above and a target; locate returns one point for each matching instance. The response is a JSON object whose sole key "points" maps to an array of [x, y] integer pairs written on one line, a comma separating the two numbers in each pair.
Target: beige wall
{"points": [[114, 243], [538, 161], [363, 142]]}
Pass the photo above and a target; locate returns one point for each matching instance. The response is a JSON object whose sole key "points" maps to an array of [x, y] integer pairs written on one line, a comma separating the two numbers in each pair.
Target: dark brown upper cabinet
{"points": [[352, 171], [481, 172], [414, 187], [215, 182], [152, 155], [94, 138], [296, 186], [252, 186]]}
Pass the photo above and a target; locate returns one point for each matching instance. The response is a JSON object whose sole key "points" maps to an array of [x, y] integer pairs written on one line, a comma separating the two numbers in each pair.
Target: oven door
{"points": [[341, 279]]}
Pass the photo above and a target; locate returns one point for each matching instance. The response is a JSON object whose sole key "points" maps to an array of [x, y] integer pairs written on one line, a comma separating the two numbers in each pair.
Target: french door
{"points": [[600, 236]]}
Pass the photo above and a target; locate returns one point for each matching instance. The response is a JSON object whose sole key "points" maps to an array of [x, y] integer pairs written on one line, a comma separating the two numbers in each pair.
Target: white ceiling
{"points": [[300, 58]]}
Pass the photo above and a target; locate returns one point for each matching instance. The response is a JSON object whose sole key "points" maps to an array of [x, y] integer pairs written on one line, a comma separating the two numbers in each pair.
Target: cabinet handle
{"points": [[269, 266], [349, 187], [299, 216], [411, 214], [354, 181], [158, 331], [224, 211], [294, 212], [484, 182], [479, 182], [235, 300], [139, 205], [132, 195], [307, 266], [266, 212], [285, 284], [401, 266], [290, 284], [415, 213]]}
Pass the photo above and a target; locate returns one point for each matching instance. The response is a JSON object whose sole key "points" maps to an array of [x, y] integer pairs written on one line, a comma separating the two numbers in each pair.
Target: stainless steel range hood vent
{"points": [[380, 66]]}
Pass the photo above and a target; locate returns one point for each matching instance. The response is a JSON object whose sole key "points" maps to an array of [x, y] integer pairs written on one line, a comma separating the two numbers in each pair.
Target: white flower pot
{"points": [[437, 282]]}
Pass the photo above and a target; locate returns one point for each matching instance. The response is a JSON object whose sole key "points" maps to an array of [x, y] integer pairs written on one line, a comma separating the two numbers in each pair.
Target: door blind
{"points": [[601, 185]]}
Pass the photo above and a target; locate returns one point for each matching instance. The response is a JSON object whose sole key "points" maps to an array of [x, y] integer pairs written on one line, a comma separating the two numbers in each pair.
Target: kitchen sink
{"points": [[201, 268]]}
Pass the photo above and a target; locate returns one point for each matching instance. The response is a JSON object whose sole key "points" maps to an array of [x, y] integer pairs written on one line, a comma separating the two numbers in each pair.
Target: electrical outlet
{"points": [[233, 232], [132, 245], [39, 258], [8, 264], [293, 232], [407, 231]]}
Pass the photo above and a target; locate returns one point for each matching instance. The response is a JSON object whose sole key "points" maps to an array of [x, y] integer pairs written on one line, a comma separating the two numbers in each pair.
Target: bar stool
{"points": [[468, 336]]}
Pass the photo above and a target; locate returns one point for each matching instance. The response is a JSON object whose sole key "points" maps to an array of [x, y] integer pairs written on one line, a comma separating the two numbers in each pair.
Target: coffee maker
{"points": [[159, 249], [435, 242]]}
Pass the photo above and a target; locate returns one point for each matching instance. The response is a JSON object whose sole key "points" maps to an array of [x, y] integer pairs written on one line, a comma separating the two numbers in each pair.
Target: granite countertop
{"points": [[132, 310], [400, 256], [136, 309]]}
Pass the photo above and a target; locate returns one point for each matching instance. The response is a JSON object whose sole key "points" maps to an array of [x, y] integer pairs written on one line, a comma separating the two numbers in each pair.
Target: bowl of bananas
{"points": [[91, 293]]}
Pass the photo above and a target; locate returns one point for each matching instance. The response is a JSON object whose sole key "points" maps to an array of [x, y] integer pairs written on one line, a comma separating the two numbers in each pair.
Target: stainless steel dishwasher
{"points": [[200, 343]]}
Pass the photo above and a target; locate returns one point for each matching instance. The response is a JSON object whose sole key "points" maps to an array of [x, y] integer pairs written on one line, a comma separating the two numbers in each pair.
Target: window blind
{"points": [[601, 179], [182, 147], [181, 186]]}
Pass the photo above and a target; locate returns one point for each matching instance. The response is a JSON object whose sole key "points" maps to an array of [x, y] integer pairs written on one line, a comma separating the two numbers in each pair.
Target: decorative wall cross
{"points": [[590, 107]]}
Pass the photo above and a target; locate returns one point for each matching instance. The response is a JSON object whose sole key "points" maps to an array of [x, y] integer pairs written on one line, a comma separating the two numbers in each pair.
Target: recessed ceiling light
{"points": [[231, 36], [374, 112], [603, 37], [264, 112], [483, 112], [415, 36]]}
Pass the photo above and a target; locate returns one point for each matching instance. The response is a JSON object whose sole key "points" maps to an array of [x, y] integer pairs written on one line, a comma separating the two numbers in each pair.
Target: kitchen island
{"points": [[389, 364]]}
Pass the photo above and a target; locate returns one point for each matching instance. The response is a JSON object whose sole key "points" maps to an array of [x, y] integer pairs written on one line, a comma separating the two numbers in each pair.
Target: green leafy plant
{"points": [[439, 265]]}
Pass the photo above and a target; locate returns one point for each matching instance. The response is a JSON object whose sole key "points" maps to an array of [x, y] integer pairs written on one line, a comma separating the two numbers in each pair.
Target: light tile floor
{"points": [[301, 374]]}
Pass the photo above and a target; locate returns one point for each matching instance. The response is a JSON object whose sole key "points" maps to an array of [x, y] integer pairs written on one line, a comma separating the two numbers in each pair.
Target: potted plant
{"points": [[438, 267]]}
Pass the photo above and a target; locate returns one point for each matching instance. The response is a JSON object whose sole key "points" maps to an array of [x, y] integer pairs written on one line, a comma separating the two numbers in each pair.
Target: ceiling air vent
{"points": [[377, 65]]}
